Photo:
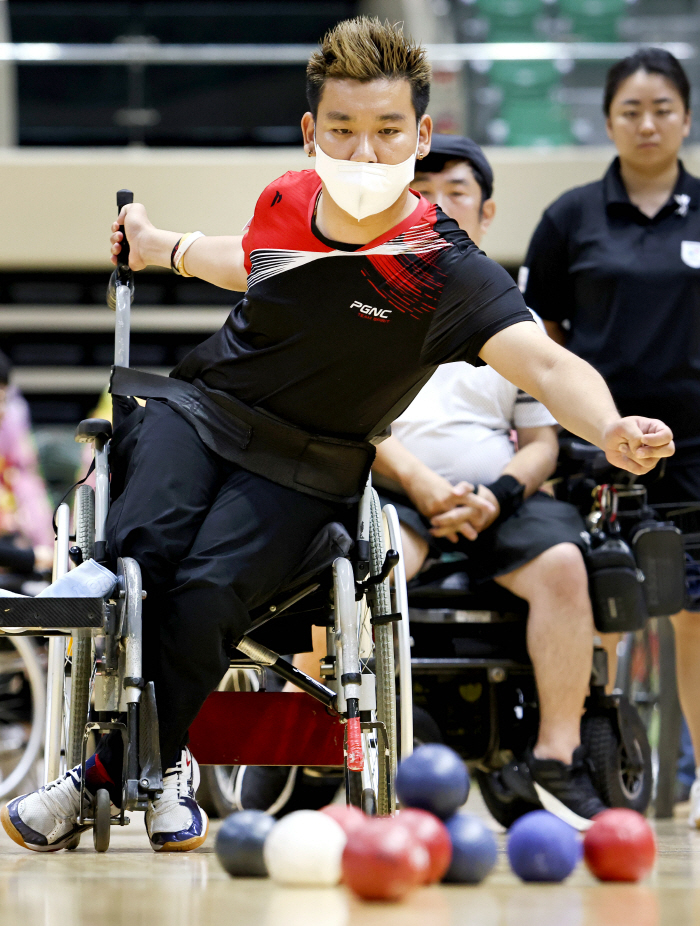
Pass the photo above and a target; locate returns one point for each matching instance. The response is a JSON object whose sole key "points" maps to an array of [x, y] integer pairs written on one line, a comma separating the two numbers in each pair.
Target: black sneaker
{"points": [[566, 790], [279, 790], [264, 787]]}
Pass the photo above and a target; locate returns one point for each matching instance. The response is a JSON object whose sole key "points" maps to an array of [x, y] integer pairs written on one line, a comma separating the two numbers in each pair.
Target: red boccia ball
{"points": [[431, 833], [349, 818], [383, 861], [620, 846]]}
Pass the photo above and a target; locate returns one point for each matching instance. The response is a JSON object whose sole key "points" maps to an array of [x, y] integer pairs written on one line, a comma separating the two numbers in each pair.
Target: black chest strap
{"points": [[329, 468]]}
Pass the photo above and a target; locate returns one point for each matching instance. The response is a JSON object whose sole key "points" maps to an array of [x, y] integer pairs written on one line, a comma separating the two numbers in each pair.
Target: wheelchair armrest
{"points": [[579, 451], [91, 429]]}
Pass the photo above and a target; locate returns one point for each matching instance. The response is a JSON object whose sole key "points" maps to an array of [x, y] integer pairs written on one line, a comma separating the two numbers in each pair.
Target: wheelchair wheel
{"points": [[620, 779], [383, 758], [80, 651], [22, 711], [101, 827]]}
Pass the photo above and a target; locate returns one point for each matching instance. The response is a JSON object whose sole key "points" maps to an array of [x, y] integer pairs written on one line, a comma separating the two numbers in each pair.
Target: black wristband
{"points": [[509, 495], [172, 257]]}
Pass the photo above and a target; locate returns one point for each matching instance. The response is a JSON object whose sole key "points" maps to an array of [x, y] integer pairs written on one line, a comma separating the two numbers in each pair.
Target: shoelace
{"points": [[61, 797], [176, 785]]}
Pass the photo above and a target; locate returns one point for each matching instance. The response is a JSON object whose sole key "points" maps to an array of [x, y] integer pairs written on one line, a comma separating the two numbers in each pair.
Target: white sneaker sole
{"points": [[15, 835], [555, 806], [187, 845]]}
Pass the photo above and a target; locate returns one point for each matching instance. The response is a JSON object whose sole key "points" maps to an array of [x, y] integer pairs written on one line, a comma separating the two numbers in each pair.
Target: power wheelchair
{"points": [[473, 684], [95, 680]]}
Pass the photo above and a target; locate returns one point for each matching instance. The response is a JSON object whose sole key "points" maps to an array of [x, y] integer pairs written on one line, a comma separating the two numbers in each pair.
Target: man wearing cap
{"points": [[452, 448]]}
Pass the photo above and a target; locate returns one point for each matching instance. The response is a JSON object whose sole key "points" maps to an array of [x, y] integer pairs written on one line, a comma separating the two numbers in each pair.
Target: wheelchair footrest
{"points": [[52, 613], [265, 728]]}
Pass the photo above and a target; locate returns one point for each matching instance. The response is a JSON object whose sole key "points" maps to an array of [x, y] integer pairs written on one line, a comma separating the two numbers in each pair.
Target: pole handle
{"points": [[123, 198]]}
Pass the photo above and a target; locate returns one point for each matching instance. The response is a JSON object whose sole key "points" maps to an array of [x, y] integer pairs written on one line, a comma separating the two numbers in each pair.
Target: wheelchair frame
{"points": [[360, 673]]}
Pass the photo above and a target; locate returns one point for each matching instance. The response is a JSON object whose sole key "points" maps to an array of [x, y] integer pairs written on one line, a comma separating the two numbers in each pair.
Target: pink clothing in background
{"points": [[24, 503]]}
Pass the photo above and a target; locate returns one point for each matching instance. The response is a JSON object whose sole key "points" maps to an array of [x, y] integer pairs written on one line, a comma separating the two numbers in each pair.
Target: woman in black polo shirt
{"points": [[614, 270]]}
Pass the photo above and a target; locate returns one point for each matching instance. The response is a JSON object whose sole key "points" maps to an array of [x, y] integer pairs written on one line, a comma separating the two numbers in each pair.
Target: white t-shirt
{"points": [[459, 424]]}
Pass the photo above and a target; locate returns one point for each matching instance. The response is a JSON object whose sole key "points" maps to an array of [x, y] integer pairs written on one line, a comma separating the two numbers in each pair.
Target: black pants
{"points": [[212, 541]]}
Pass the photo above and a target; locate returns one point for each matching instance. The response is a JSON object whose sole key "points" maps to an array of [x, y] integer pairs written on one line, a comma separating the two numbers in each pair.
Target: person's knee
{"points": [[560, 573], [415, 551]]}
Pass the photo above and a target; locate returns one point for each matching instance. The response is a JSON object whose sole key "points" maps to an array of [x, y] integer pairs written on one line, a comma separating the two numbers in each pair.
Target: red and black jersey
{"points": [[329, 336]]}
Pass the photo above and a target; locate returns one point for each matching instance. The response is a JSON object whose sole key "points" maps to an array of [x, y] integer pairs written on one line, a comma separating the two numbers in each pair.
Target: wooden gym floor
{"points": [[132, 886]]}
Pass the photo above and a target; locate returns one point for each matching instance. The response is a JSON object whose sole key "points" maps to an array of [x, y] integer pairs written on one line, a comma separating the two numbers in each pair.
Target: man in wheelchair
{"points": [[455, 436], [357, 290]]}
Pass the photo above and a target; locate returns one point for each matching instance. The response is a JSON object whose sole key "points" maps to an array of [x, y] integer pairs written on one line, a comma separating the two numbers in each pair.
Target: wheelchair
{"points": [[646, 671], [357, 591], [95, 679], [474, 689], [473, 683]]}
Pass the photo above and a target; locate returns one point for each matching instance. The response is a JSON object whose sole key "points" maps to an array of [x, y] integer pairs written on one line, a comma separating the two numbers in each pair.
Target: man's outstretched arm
{"points": [[218, 259], [577, 396]]}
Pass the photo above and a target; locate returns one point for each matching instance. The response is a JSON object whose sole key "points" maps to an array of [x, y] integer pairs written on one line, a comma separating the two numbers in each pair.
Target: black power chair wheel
{"points": [[622, 777]]}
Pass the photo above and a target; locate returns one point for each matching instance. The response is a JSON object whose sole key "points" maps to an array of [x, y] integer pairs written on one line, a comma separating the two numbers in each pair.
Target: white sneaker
{"points": [[47, 820], [174, 821], [694, 816]]}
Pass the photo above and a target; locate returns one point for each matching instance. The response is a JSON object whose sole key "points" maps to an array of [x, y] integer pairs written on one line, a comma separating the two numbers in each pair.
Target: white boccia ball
{"points": [[305, 847]]}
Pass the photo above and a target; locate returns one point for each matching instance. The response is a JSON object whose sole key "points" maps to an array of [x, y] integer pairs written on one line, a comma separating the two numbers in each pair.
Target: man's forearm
{"points": [[531, 466], [218, 260], [395, 462], [570, 388], [578, 397], [157, 245], [213, 259]]}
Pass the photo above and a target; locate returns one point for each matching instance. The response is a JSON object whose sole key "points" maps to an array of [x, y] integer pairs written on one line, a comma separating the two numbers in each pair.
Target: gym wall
{"points": [[57, 204]]}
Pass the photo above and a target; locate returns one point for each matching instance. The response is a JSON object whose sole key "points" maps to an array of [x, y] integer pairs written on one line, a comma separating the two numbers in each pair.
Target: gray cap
{"points": [[444, 148]]}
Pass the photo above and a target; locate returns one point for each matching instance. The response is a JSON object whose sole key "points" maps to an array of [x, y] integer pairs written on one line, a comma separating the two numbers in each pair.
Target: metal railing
{"points": [[152, 53]]}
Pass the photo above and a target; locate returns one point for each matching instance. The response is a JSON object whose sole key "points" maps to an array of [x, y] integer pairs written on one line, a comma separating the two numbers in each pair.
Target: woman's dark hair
{"points": [[653, 61]]}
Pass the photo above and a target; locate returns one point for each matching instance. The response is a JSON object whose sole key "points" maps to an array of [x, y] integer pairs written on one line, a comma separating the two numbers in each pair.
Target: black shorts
{"points": [[540, 523]]}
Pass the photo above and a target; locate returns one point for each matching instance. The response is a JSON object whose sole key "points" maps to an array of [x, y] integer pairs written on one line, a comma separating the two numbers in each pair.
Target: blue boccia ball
{"points": [[541, 847], [435, 779], [239, 843], [474, 849]]}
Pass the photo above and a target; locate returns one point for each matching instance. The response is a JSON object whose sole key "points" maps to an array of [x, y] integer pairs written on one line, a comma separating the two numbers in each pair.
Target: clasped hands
{"points": [[452, 510]]}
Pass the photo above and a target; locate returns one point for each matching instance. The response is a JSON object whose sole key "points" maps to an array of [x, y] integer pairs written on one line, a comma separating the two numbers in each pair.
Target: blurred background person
{"points": [[26, 534], [457, 434], [613, 268]]}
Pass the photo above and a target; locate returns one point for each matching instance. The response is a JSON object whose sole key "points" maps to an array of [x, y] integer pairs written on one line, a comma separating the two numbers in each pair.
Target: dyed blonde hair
{"points": [[366, 49]]}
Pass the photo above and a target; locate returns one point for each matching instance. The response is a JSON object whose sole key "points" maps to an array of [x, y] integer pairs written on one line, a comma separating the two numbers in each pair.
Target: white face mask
{"points": [[363, 189]]}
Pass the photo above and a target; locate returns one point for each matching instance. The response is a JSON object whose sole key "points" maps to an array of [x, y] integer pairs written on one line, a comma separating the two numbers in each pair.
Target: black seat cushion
{"points": [[453, 592], [291, 631]]}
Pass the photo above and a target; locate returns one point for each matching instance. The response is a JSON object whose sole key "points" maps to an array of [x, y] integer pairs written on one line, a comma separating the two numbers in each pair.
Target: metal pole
{"points": [[101, 489], [40, 53], [8, 85], [55, 670], [122, 326]]}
